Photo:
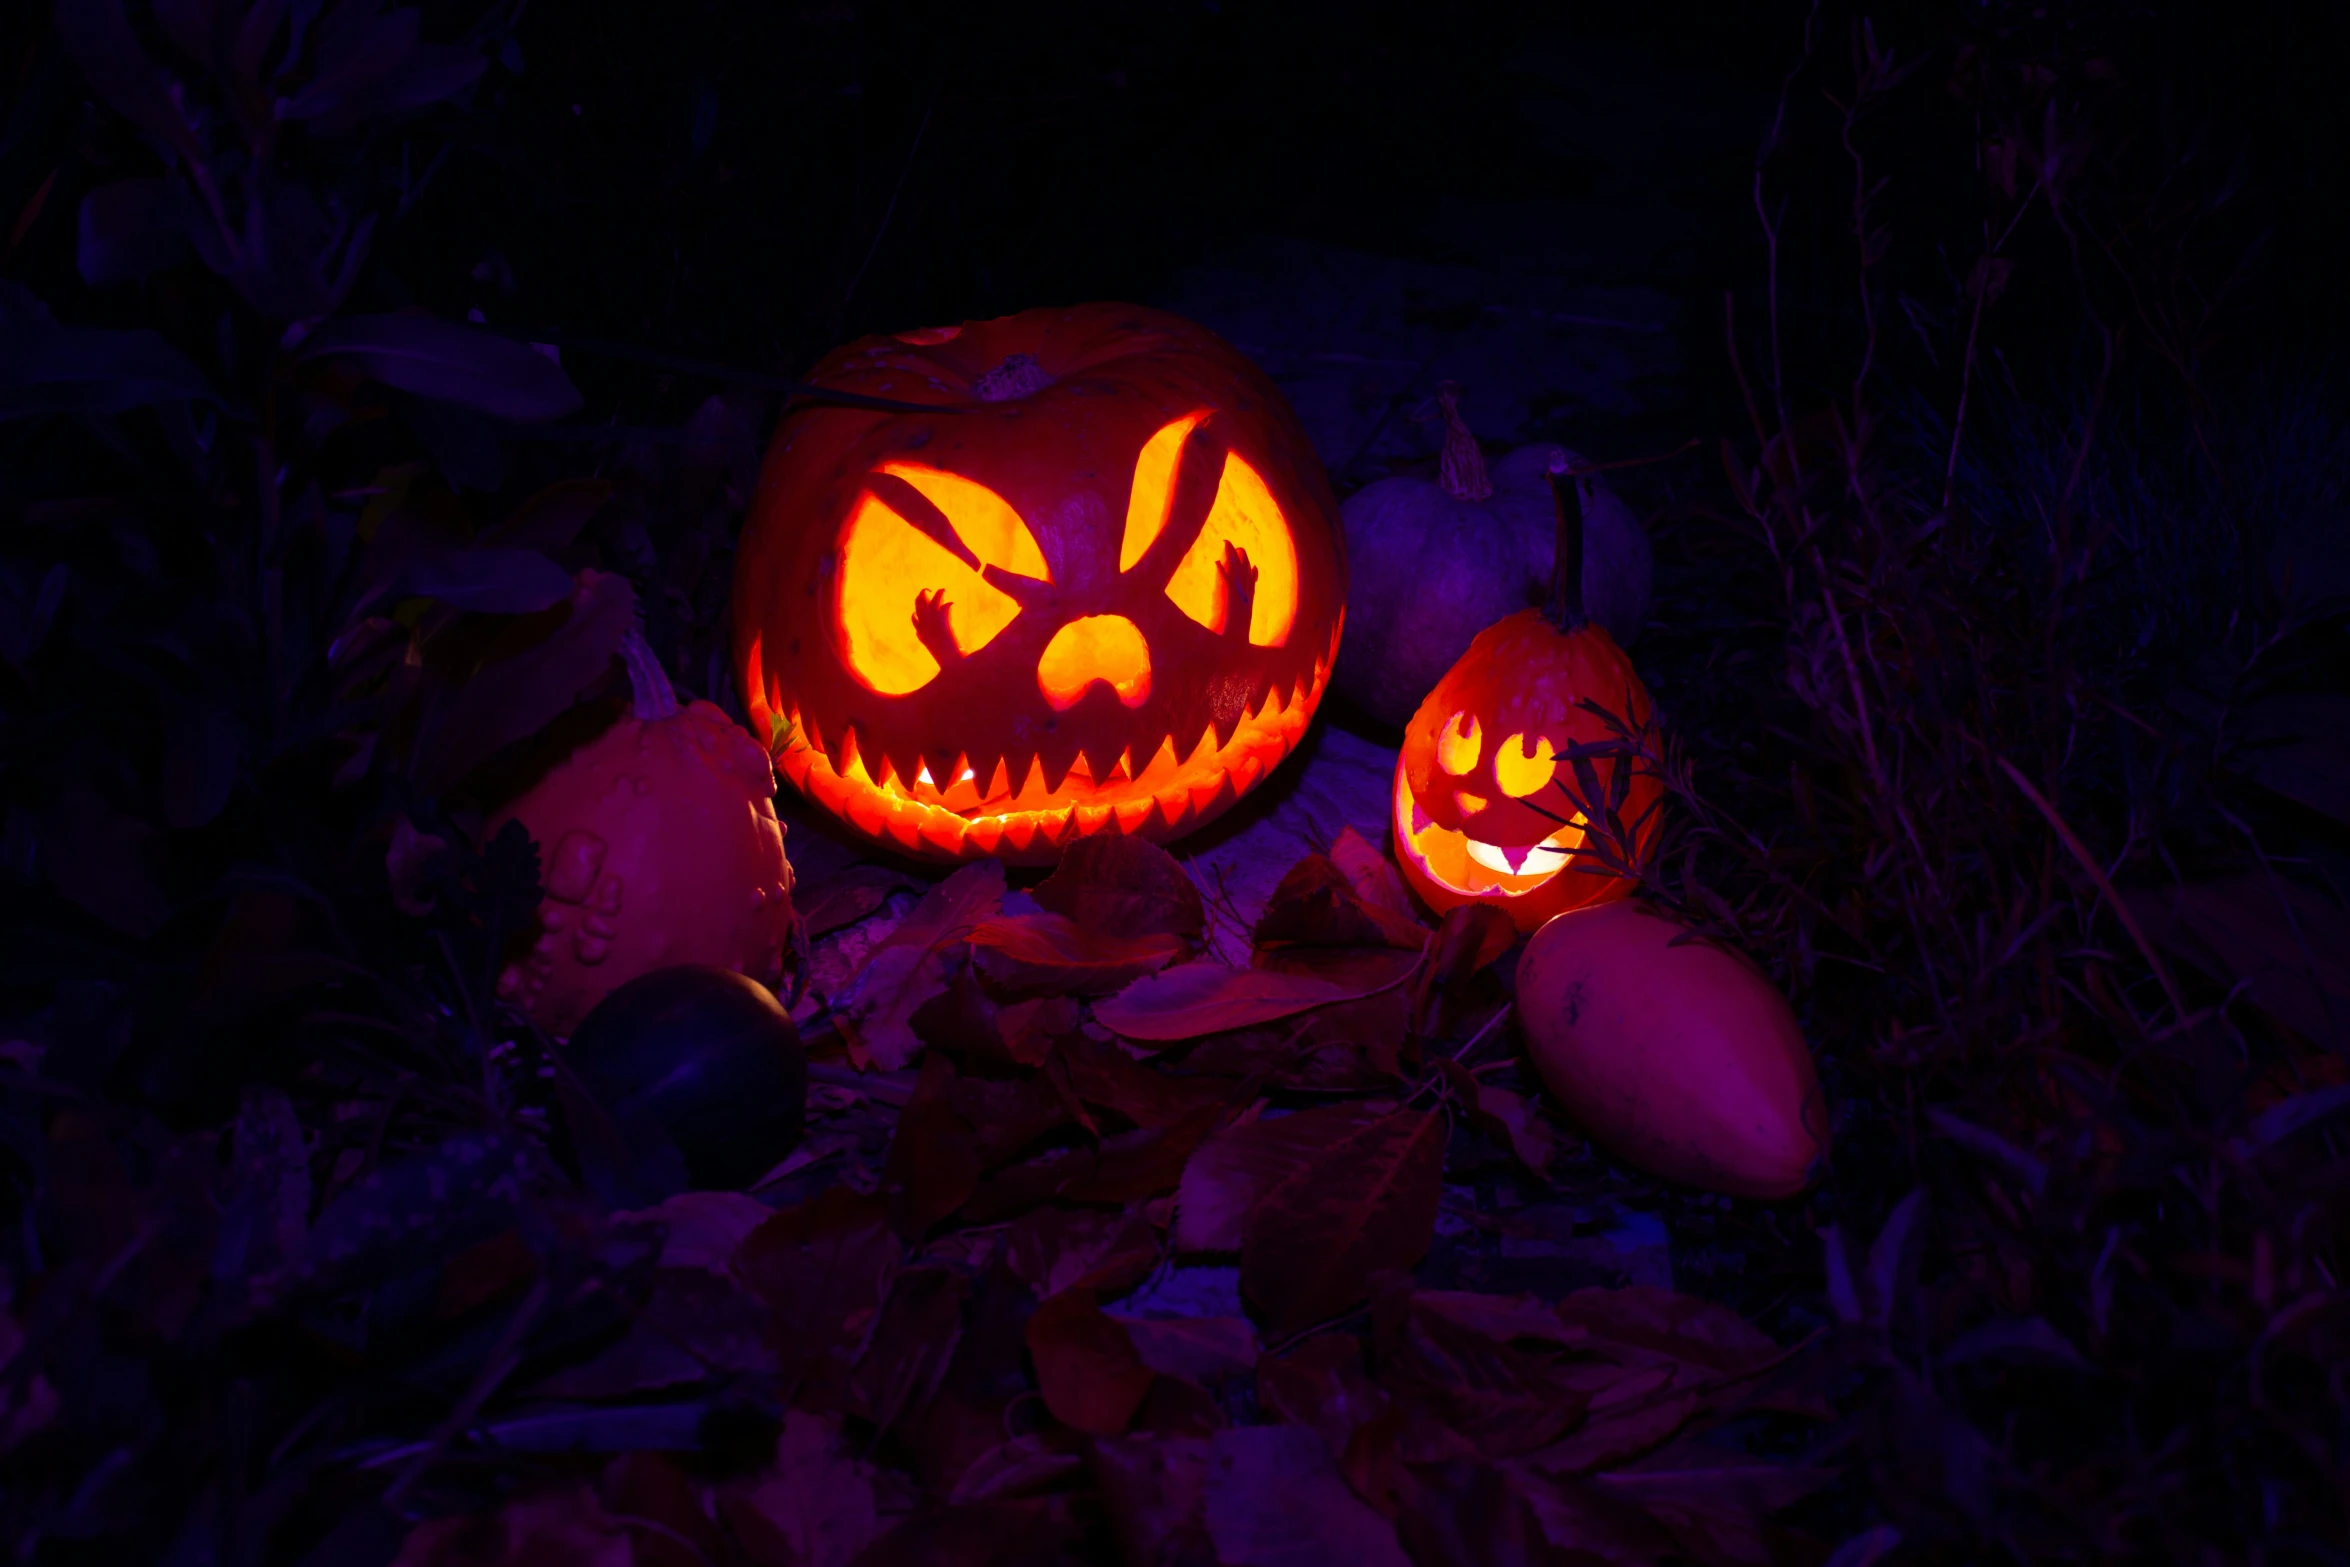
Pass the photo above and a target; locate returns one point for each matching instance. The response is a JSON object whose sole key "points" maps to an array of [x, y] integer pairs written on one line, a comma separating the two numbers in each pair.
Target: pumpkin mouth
{"points": [[1473, 867], [1005, 806]]}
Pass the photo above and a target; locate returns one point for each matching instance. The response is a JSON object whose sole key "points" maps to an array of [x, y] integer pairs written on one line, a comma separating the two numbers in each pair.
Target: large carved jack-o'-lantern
{"points": [[1489, 805], [1098, 590]]}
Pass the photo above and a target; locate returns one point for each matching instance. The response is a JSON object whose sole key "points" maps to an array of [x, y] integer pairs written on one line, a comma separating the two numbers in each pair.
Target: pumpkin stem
{"points": [[1461, 470], [654, 699], [1566, 572]]}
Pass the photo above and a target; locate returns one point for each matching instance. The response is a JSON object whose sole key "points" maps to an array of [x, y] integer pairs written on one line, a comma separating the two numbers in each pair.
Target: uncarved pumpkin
{"points": [[1681, 1060], [1489, 807], [658, 845], [1094, 586], [1432, 562]]}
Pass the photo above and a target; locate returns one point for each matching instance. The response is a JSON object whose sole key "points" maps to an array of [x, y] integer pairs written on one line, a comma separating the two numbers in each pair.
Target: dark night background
{"points": [[2083, 1035]]}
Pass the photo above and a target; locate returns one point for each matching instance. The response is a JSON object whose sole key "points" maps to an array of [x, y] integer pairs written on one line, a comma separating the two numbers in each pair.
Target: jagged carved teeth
{"points": [[1533, 859]]}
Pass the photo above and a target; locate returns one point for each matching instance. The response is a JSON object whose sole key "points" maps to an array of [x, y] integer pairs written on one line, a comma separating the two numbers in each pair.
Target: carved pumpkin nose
{"points": [[1108, 648]]}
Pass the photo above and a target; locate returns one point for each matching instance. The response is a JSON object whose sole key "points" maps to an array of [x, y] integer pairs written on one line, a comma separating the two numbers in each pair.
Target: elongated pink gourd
{"points": [[1681, 1060]]}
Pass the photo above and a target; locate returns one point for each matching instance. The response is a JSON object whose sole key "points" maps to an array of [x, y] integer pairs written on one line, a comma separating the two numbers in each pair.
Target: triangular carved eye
{"points": [[887, 565], [982, 519], [1244, 515], [1152, 500]]}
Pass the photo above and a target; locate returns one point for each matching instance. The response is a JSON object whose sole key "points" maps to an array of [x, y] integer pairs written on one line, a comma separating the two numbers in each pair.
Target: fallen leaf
{"points": [[912, 964], [815, 1506], [1103, 1074], [704, 1229], [816, 1267], [1209, 998], [1238, 1165], [1200, 1349], [1055, 1249], [1644, 1325], [1495, 1376], [1086, 1365], [1375, 1022], [1498, 1317], [1321, 1384], [1609, 1437], [1372, 874], [1019, 1466], [1155, 1491], [967, 1418], [1362, 1205], [1510, 1119], [965, 1019], [1123, 887], [1316, 905], [1712, 1500], [1272, 1497], [846, 898], [1027, 954], [1460, 1510], [1579, 1518], [914, 1337], [934, 1160], [1010, 1532], [1472, 937], [567, 1525], [692, 1327], [660, 1505], [1126, 1167], [1179, 1407], [1318, 1052]]}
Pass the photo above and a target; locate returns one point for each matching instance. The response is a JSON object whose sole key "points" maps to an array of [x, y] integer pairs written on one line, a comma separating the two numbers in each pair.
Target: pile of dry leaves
{"points": [[1125, 1271]]}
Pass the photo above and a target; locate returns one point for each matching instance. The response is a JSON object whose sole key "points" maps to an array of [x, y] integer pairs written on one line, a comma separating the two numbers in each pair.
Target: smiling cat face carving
{"points": [[1068, 608]]}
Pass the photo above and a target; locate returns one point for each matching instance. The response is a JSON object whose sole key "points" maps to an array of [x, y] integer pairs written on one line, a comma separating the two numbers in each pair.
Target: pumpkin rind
{"points": [[1681, 1060], [658, 845], [1079, 668], [1478, 817]]}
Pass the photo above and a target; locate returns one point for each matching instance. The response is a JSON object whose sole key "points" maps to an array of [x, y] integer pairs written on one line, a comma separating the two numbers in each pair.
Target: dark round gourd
{"points": [[699, 1079], [1435, 561]]}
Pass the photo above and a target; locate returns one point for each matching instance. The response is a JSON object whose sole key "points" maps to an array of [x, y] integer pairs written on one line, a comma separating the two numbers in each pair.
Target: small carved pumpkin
{"points": [[1098, 590], [658, 845], [1488, 807]]}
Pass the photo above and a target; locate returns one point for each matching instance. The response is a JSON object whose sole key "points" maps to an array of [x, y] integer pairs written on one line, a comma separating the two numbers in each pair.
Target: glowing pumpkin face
{"points": [[1099, 591], [1487, 806]]}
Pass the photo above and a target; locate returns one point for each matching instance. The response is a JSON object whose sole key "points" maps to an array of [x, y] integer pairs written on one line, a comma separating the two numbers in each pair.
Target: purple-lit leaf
{"points": [[495, 580], [454, 364]]}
